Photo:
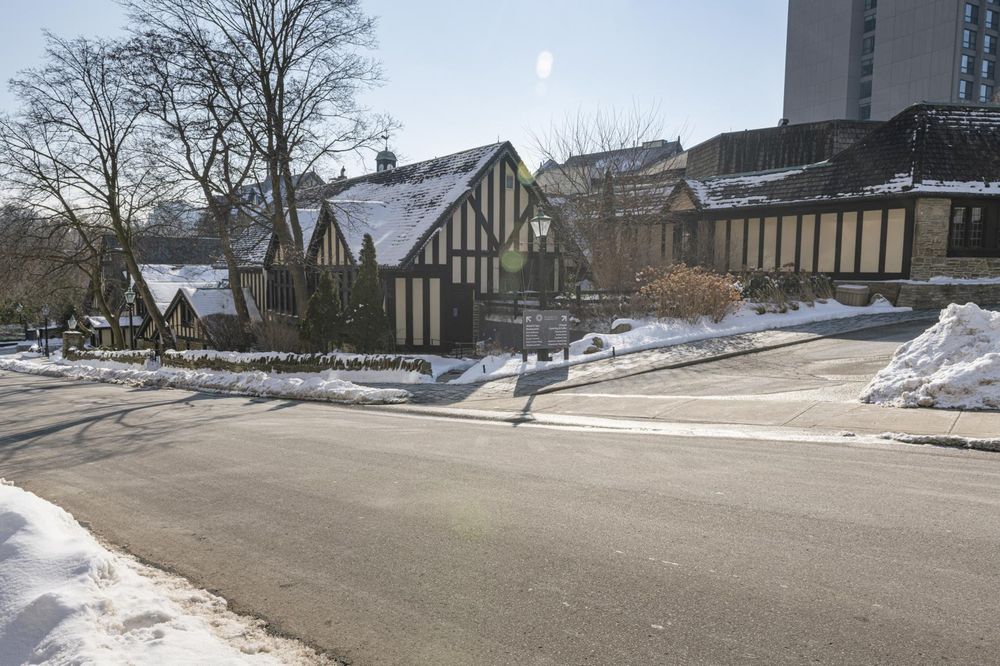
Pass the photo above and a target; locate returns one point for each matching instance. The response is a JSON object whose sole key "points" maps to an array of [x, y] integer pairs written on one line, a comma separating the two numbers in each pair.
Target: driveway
{"points": [[813, 385], [392, 539]]}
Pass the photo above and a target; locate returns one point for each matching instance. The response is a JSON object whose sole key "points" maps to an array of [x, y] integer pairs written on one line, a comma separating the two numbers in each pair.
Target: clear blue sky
{"points": [[462, 73]]}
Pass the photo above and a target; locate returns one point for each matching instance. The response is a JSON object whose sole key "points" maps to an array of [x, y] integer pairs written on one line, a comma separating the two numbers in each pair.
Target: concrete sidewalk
{"points": [[815, 416]]}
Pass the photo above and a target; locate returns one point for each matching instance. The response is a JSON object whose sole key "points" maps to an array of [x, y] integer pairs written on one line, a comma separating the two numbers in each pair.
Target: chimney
{"points": [[343, 173]]}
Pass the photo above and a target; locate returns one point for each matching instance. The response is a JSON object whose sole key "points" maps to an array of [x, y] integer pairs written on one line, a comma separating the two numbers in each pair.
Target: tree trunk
{"points": [[301, 299], [292, 251], [97, 279], [221, 216], [163, 332]]}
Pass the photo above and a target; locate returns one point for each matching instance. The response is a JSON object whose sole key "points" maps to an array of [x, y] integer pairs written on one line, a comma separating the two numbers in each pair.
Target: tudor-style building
{"points": [[189, 313], [919, 197], [449, 233]]}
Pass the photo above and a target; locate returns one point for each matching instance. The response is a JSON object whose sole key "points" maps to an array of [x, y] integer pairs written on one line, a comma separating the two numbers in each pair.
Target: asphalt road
{"points": [[389, 539]]}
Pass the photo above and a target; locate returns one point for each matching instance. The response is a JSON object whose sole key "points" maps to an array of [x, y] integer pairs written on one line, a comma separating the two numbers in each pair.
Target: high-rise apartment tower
{"points": [[870, 59]]}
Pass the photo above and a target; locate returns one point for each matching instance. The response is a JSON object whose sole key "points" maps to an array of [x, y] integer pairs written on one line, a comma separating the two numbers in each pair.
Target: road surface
{"points": [[391, 539]]}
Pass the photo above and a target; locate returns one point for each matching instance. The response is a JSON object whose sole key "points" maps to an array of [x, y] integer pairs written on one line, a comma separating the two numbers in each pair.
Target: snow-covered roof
{"points": [[207, 301], [927, 148], [99, 322], [164, 280], [399, 207]]}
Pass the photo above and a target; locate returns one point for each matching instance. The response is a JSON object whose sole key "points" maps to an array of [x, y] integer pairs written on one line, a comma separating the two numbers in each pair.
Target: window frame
{"points": [[989, 246]]}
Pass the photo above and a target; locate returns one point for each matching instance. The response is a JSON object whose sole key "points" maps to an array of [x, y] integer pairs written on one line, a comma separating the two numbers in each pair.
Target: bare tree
{"points": [[606, 175], [305, 58], [74, 148], [196, 135], [42, 262]]}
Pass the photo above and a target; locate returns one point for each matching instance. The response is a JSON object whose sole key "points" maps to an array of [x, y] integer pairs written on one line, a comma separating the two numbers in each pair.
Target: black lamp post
{"points": [[20, 315], [45, 323], [130, 301], [540, 226]]}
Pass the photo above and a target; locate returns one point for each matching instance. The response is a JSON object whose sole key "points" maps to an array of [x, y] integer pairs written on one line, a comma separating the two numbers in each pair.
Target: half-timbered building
{"points": [[449, 234], [918, 197], [191, 312]]}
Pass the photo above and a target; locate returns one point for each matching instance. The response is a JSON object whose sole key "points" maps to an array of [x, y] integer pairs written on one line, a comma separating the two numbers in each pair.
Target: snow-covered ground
{"points": [[653, 334], [946, 280], [66, 599], [305, 386], [955, 364]]}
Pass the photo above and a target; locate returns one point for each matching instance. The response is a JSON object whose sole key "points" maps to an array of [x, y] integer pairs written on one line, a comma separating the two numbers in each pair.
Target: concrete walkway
{"points": [[802, 379]]}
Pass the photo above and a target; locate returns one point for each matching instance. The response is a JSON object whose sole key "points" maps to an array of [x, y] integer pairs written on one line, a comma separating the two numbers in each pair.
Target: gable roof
{"points": [[207, 301], [164, 280], [928, 148], [250, 243], [154, 249], [401, 206], [622, 160]]}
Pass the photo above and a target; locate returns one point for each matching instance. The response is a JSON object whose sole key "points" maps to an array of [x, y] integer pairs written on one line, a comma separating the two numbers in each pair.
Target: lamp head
{"points": [[540, 224], [130, 295]]}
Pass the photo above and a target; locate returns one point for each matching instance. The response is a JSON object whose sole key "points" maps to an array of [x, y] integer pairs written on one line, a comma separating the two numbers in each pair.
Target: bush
{"points": [[226, 333], [783, 288], [322, 328], [688, 293], [291, 363], [277, 336]]}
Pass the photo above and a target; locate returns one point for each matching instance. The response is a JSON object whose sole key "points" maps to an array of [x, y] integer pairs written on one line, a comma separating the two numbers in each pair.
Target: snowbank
{"points": [[313, 386], [955, 364], [652, 334], [66, 599]]}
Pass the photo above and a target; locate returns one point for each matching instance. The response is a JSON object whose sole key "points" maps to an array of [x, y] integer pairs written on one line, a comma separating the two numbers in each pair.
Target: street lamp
{"points": [[130, 301], [20, 315], [45, 322], [71, 322], [540, 226]]}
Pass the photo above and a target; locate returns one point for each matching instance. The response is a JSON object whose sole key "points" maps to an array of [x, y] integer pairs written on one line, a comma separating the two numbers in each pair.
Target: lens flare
{"points": [[512, 261], [543, 66]]}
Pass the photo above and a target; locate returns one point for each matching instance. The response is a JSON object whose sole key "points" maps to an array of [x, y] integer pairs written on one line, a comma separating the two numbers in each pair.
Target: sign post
{"points": [[545, 330]]}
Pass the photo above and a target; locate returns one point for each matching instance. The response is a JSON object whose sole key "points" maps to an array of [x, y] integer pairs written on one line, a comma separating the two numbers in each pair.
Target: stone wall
{"points": [[930, 246], [933, 296], [930, 296]]}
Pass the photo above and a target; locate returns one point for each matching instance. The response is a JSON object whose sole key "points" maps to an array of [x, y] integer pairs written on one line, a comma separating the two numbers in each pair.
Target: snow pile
{"points": [[306, 386], [653, 333], [65, 599], [954, 364]]}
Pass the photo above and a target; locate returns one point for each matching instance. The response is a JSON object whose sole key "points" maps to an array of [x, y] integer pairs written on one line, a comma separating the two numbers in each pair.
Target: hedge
{"points": [[264, 362]]}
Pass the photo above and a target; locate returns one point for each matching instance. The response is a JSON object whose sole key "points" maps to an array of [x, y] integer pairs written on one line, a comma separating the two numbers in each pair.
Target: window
{"points": [[865, 112], [969, 39], [971, 13], [866, 89], [870, 23], [969, 64], [974, 230], [510, 181], [992, 19], [868, 45], [964, 89], [870, 4], [867, 67], [985, 93], [988, 70], [989, 44]]}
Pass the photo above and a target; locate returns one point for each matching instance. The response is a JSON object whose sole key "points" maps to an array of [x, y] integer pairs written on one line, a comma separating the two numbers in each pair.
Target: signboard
{"points": [[546, 329]]}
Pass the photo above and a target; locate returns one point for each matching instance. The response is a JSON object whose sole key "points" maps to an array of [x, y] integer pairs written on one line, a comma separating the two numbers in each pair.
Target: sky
{"points": [[463, 73]]}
